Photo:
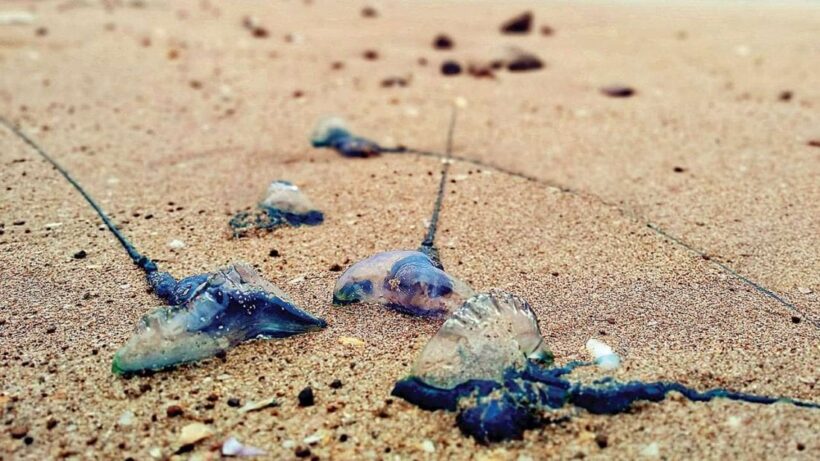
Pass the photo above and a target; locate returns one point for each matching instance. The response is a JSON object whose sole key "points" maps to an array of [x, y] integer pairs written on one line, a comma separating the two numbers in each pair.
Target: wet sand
{"points": [[174, 116]]}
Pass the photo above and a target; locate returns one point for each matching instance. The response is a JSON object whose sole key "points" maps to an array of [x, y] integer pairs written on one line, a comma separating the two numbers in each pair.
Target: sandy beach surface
{"points": [[681, 225]]}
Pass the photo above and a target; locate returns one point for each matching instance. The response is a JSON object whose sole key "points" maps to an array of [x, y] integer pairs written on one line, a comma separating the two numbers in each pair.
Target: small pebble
{"points": [[785, 95], [80, 254], [176, 244], [602, 440], [618, 91], [335, 268], [371, 55], [306, 398], [234, 402], [174, 410], [274, 253], [524, 62], [679, 169], [443, 42], [547, 31], [450, 68], [18, 432], [369, 12], [520, 24], [302, 452], [336, 384]]}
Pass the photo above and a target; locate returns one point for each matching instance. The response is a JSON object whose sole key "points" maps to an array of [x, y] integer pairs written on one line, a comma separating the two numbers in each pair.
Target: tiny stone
{"points": [[525, 62], [51, 423], [795, 319], [450, 68], [335, 268], [336, 384], [51, 329], [302, 452], [520, 24], [306, 398], [274, 253], [80, 254], [18, 432], [617, 91], [785, 95], [369, 12], [28, 440], [371, 55], [814, 142], [174, 411], [804, 290], [547, 31], [678, 169], [602, 440], [442, 42], [234, 402]]}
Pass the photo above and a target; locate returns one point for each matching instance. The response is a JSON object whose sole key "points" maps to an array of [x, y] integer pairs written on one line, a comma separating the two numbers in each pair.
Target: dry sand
{"points": [[173, 110]]}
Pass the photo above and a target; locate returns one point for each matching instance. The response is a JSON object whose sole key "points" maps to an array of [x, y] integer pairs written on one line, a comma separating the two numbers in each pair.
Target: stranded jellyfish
{"points": [[227, 307], [206, 313], [408, 281], [284, 204], [332, 132], [489, 364]]}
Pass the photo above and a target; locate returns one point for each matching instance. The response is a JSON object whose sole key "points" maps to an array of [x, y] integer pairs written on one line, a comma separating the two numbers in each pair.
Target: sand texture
{"points": [[637, 215]]}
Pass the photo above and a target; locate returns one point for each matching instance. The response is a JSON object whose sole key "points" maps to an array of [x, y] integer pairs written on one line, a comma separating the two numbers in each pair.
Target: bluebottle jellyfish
{"points": [[412, 282], [332, 132], [490, 365], [284, 204], [205, 313]]}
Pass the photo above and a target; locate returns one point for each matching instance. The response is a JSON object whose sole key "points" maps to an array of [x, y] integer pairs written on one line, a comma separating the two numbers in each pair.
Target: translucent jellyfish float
{"points": [[206, 314], [284, 204], [408, 281], [412, 282], [490, 365]]}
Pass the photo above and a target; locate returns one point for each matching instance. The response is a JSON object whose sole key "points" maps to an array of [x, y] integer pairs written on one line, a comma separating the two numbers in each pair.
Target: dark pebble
{"points": [[520, 24], [234, 402], [343, 438], [785, 95], [679, 169], [302, 452], [306, 398], [19, 223], [51, 424], [336, 384], [525, 62], [28, 440], [814, 142], [274, 253], [212, 398], [80, 254], [51, 330], [443, 42], [371, 55], [450, 68], [795, 319], [394, 81], [174, 410], [617, 91], [602, 440], [335, 268], [369, 12], [547, 31]]}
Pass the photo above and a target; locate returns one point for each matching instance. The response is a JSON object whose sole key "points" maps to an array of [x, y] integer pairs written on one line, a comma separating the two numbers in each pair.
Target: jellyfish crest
{"points": [[233, 305], [407, 281], [286, 197], [486, 336], [328, 131]]}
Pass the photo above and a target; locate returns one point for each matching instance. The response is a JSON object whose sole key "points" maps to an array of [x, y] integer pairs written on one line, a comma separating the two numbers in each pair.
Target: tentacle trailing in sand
{"points": [[489, 363], [413, 282], [284, 204], [206, 313]]}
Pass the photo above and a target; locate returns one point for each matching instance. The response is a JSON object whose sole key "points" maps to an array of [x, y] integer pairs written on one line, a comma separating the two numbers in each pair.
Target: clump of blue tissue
{"points": [[284, 204], [407, 281], [488, 363], [332, 133], [207, 315]]}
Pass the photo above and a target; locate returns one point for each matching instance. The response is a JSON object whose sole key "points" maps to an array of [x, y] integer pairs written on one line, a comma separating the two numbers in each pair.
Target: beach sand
{"points": [[174, 116]]}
